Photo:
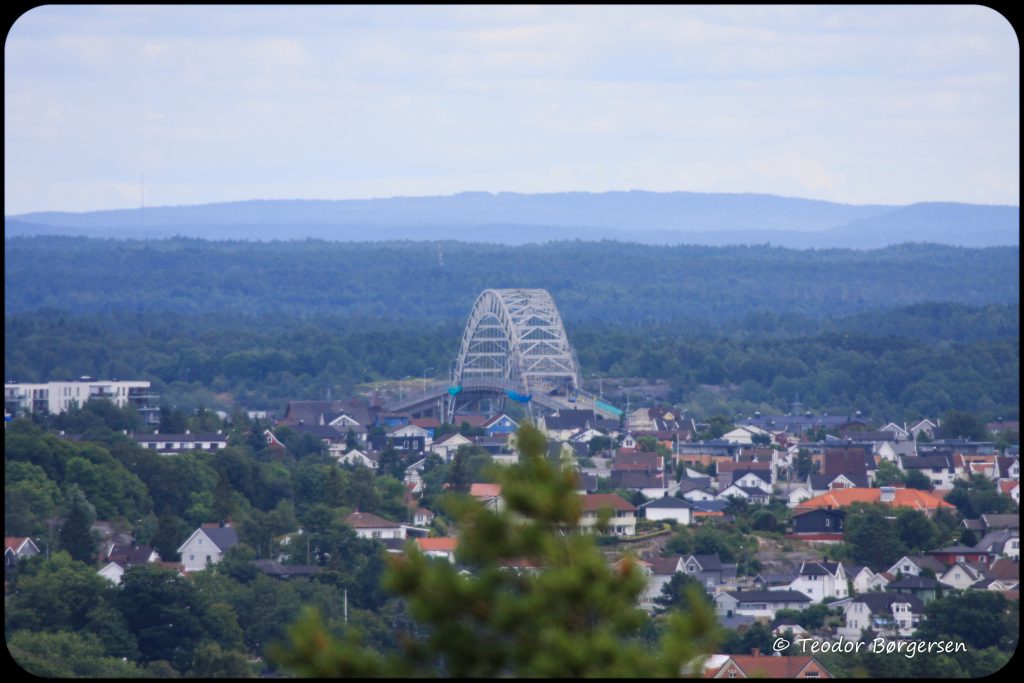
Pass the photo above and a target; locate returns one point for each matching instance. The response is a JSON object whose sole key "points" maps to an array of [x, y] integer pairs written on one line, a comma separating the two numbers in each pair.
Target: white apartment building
{"points": [[21, 398]]}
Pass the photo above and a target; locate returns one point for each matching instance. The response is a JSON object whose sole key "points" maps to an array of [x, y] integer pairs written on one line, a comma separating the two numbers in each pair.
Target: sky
{"points": [[107, 107]]}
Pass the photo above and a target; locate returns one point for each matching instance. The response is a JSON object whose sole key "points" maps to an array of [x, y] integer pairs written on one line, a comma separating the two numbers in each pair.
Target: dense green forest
{"points": [[590, 281], [943, 357], [897, 333]]}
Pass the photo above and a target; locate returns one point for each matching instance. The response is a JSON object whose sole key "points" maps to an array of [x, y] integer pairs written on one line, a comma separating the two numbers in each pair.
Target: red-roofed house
{"points": [[438, 547], [16, 547], [488, 494], [1011, 488], [623, 514], [764, 666]]}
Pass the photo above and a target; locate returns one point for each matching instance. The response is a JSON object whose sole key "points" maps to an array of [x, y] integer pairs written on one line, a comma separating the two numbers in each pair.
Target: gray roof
{"points": [[1001, 521], [708, 562], [881, 603], [914, 583], [669, 502], [922, 462], [769, 596], [222, 536], [819, 568]]}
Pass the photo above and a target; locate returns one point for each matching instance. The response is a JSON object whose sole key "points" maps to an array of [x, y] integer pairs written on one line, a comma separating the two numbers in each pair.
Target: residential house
{"points": [[889, 615], [709, 570], [500, 424], [669, 507], [729, 471], [15, 548], [911, 565], [923, 501], [763, 603], [1008, 467], [656, 485], [1002, 521], [659, 571], [755, 495], [756, 665], [422, 517], [759, 478], [1000, 542], [1011, 488], [796, 494], [961, 553], [368, 525], [820, 580], [962, 575], [694, 491], [443, 547], [358, 457], [924, 588], [938, 469], [745, 434], [623, 514], [488, 494], [413, 477], [860, 578], [207, 545], [818, 525], [446, 446], [926, 427]]}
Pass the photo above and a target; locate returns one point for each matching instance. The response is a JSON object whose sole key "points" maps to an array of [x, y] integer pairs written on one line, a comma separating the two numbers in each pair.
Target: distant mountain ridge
{"points": [[513, 218]]}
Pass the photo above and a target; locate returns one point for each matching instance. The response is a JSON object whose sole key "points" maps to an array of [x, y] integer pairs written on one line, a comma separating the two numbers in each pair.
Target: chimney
{"points": [[756, 652]]}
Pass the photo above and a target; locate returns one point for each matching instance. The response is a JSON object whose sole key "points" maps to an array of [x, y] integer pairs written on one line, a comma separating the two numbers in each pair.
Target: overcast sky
{"points": [[859, 104]]}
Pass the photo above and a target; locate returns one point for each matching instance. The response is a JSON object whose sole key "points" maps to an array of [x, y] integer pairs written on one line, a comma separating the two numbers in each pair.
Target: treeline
{"points": [[590, 281], [63, 619], [833, 365]]}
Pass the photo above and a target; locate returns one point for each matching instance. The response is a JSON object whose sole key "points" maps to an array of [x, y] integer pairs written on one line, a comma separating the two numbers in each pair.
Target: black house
{"points": [[819, 521]]}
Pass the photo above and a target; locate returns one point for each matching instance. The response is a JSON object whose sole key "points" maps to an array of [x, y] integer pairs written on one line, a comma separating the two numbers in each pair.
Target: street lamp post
{"points": [[425, 378]]}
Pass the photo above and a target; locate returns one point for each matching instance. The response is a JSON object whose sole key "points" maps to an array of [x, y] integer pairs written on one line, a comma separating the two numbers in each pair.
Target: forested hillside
{"points": [[610, 282]]}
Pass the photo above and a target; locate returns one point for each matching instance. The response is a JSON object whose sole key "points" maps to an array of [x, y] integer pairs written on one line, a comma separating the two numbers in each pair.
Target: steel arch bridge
{"points": [[514, 345]]}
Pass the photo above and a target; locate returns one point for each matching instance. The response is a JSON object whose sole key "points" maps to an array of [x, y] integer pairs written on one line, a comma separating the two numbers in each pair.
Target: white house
{"points": [[759, 479], [900, 433], [1011, 488], [357, 457], [758, 603], [819, 580], [659, 571], [861, 579], [752, 494], [368, 525], [623, 514], [448, 444], [669, 507], [961, 576], [206, 546], [411, 430], [889, 615], [798, 495]]}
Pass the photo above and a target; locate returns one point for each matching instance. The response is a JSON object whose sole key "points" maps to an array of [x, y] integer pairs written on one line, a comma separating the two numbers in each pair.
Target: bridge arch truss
{"points": [[515, 341]]}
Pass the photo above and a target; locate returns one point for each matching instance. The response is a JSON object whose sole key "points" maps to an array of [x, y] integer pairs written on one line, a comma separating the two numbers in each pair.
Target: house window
{"points": [[376, 534], [959, 558], [828, 522], [811, 674], [732, 673], [191, 558], [199, 541]]}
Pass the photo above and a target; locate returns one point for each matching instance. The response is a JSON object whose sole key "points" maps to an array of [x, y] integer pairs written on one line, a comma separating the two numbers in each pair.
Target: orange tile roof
{"points": [[1007, 485], [440, 544], [14, 542], [911, 498], [485, 490]]}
